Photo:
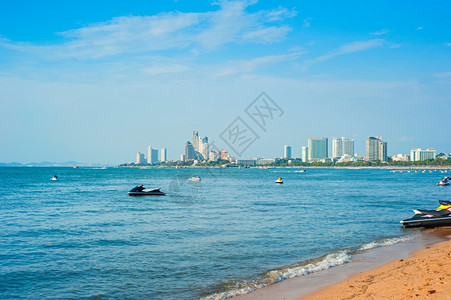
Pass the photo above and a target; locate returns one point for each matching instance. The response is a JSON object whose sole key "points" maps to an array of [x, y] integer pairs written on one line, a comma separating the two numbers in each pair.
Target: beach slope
{"points": [[425, 275]]}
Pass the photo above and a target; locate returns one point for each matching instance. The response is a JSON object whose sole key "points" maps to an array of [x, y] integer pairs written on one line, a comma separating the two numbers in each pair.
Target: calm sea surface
{"points": [[84, 237]]}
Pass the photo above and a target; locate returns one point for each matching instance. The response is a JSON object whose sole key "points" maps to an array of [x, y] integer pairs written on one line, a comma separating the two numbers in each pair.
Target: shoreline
{"points": [[297, 167], [319, 284]]}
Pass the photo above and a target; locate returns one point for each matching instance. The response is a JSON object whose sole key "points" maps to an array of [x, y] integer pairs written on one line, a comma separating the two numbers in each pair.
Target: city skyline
{"points": [[84, 83], [342, 148]]}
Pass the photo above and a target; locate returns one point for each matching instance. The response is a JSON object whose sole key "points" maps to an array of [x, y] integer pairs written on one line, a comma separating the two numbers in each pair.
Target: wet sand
{"points": [[381, 273]]}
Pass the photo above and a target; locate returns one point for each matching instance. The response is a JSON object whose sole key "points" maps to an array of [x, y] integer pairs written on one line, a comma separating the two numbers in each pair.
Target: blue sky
{"points": [[97, 81]]}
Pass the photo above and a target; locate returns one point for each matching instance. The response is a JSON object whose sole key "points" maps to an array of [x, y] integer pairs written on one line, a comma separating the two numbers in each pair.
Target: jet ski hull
{"points": [[152, 193], [427, 222]]}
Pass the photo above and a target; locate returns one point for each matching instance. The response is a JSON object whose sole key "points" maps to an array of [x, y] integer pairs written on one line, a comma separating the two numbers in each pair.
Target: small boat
{"points": [[439, 217], [279, 180], [141, 191], [195, 179], [54, 178]]}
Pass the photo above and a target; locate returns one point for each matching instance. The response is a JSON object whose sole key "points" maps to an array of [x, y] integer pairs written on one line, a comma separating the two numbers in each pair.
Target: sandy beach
{"points": [[426, 275], [391, 272]]}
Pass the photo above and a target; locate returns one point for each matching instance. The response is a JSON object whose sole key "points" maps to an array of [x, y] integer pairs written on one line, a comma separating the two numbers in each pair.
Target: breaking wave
{"points": [[338, 258]]}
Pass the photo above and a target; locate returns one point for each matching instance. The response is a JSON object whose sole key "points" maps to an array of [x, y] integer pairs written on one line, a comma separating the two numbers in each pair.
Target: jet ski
{"points": [[279, 180], [444, 181], [54, 178], [441, 216], [141, 191]]}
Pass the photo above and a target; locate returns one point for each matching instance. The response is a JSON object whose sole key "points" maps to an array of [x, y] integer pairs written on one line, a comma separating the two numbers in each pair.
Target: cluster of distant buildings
{"points": [[317, 150], [343, 151], [152, 156]]}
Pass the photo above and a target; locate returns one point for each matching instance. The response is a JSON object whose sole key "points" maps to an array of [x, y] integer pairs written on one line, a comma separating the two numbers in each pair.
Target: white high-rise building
{"points": [[337, 147], [200, 145], [203, 148], [416, 154], [342, 146], [163, 155], [376, 149], [152, 155], [140, 159], [287, 151], [304, 154], [213, 156]]}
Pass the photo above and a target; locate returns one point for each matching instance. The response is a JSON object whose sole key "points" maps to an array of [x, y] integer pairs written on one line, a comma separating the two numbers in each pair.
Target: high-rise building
{"points": [[140, 159], [200, 145], [152, 155], [213, 156], [182, 157], [304, 154], [196, 140], [163, 155], [317, 148], [342, 146], [376, 149], [383, 151], [224, 155], [372, 148], [287, 151], [416, 154], [337, 147], [348, 147], [203, 148], [190, 154]]}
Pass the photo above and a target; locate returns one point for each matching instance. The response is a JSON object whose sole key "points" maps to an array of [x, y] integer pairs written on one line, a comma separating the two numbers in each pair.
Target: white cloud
{"points": [[380, 32], [230, 23], [165, 69], [350, 48], [443, 75], [420, 28], [306, 23], [407, 139], [245, 66]]}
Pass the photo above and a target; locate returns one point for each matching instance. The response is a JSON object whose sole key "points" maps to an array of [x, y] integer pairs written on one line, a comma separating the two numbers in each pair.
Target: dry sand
{"points": [[382, 273], [426, 275]]}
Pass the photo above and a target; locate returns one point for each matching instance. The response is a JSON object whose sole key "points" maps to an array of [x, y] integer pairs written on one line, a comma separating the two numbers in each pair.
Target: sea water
{"points": [[232, 232]]}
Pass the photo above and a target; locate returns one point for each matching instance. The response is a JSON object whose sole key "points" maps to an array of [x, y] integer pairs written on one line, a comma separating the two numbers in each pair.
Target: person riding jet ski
{"points": [[141, 191]]}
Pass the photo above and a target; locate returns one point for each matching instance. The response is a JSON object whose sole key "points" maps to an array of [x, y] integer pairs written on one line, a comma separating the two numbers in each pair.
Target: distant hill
{"points": [[41, 164], [11, 164]]}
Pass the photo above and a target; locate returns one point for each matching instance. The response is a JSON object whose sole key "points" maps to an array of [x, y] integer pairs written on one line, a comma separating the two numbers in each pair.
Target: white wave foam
{"points": [[329, 261], [274, 276], [388, 242]]}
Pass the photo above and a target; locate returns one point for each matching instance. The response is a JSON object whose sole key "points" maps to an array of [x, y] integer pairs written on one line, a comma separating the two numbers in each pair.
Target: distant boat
{"points": [[54, 178], [195, 179], [76, 167], [279, 180]]}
